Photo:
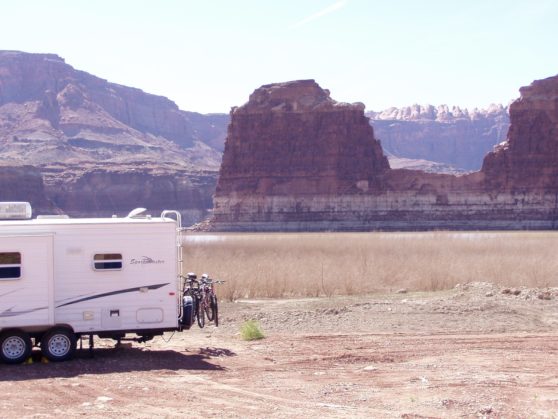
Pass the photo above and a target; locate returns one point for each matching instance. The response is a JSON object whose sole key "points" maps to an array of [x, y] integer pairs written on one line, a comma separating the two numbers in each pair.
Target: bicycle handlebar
{"points": [[202, 281], [189, 280], [213, 281]]}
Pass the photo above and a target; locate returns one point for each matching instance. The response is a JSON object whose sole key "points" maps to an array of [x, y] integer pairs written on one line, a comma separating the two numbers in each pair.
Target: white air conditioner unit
{"points": [[15, 211]]}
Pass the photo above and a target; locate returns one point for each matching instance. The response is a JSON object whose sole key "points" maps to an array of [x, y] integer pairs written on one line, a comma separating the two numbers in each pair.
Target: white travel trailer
{"points": [[63, 278]]}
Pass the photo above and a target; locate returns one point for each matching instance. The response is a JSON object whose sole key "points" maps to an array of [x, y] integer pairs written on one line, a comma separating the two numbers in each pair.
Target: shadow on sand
{"points": [[114, 360]]}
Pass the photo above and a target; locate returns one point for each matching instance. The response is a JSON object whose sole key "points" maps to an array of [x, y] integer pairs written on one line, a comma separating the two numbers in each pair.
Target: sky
{"points": [[210, 55]]}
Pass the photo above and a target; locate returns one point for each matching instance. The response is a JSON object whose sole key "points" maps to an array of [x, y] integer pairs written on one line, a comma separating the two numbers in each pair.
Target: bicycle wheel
{"points": [[209, 308], [215, 310], [200, 313]]}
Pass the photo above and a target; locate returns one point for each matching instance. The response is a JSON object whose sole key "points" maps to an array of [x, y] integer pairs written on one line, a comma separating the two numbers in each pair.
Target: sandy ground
{"points": [[475, 351]]}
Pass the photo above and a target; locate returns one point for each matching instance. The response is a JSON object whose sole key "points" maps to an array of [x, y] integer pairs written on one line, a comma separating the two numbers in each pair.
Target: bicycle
{"points": [[193, 290], [210, 303]]}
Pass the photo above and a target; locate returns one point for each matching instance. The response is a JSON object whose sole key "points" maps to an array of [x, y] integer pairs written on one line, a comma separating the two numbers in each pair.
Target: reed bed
{"points": [[326, 264]]}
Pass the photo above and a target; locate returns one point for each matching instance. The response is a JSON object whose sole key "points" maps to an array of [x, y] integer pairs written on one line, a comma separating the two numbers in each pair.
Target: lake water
{"points": [[196, 237]]}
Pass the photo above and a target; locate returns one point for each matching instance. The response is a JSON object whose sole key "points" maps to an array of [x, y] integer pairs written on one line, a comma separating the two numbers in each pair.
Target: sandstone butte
{"points": [[296, 160]]}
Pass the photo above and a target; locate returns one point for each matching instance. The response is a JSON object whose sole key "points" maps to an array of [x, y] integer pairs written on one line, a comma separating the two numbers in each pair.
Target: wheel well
{"points": [[62, 326], [39, 335], [11, 330], [15, 330]]}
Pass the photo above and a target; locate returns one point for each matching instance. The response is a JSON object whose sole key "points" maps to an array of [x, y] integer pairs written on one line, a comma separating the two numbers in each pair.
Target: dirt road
{"points": [[470, 352]]}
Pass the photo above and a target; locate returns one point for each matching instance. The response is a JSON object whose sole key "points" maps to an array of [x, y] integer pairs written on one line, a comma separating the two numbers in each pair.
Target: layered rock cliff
{"points": [[514, 190], [453, 136], [48, 99], [292, 138], [424, 137], [25, 183], [528, 160], [71, 126], [114, 189]]}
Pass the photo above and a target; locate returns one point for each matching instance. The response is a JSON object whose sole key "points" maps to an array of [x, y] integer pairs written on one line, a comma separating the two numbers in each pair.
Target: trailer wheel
{"points": [[15, 346], [58, 344]]}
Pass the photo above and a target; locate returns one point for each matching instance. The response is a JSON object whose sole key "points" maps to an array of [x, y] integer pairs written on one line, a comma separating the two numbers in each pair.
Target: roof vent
{"points": [[15, 211], [136, 213]]}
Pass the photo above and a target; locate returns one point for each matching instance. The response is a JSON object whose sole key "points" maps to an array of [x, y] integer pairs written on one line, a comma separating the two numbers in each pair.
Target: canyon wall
{"points": [[73, 102], [294, 159], [303, 180], [25, 183], [102, 148], [528, 160], [114, 189]]}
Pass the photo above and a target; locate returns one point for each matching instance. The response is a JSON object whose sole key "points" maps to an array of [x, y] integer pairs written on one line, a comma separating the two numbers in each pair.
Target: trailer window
{"points": [[10, 265], [107, 261]]}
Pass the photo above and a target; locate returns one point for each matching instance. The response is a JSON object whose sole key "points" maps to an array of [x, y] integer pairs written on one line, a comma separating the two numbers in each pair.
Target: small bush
{"points": [[250, 330]]}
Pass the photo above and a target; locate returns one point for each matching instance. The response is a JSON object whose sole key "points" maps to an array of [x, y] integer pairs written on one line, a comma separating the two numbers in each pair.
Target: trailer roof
{"points": [[68, 221]]}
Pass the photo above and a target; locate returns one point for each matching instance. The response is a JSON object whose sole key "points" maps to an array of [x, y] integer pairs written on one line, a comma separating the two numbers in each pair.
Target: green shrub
{"points": [[250, 330]]}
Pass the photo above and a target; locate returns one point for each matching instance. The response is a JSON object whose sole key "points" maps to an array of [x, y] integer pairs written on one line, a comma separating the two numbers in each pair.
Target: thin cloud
{"points": [[329, 9]]}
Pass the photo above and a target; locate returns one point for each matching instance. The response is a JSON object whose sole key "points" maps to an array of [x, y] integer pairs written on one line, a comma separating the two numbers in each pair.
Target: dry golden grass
{"points": [[325, 264]]}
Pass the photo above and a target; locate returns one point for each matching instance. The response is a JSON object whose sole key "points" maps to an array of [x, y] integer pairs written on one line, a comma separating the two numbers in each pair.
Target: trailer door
{"points": [[26, 281]]}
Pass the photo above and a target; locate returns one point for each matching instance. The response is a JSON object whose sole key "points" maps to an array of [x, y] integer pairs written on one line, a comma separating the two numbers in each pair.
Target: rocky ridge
{"points": [[441, 113], [348, 185]]}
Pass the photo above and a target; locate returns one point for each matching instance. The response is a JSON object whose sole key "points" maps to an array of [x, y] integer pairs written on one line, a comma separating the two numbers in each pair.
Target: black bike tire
{"points": [[209, 309], [215, 309], [200, 315]]}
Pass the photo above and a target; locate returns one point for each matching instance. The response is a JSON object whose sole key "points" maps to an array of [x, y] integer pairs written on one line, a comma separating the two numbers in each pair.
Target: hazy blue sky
{"points": [[210, 55]]}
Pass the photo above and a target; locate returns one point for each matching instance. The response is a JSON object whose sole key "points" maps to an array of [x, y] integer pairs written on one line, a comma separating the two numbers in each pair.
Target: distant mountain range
{"points": [[50, 112], [455, 137], [102, 148], [99, 146]]}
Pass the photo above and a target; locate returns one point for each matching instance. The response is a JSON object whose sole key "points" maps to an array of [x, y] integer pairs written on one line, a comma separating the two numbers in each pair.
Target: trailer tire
{"points": [[58, 344], [15, 346]]}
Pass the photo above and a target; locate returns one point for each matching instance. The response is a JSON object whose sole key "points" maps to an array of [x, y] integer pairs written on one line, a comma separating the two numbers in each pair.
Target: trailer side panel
{"points": [[26, 288], [116, 277]]}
